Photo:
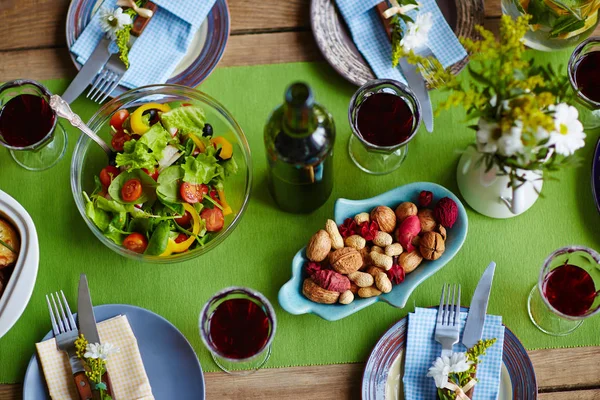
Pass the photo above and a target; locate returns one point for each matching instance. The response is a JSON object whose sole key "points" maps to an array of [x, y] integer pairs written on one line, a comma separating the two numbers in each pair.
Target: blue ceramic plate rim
{"points": [[514, 357], [596, 175], [218, 19], [158, 373], [290, 295]]}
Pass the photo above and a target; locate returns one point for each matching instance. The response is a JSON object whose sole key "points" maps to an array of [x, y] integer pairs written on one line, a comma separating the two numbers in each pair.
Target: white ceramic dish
{"points": [[20, 285]]}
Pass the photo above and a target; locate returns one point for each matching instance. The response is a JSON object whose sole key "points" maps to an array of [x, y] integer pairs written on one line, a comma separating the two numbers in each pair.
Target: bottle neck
{"points": [[298, 113]]}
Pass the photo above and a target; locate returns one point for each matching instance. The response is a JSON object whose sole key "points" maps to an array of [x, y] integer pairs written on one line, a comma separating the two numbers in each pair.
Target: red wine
{"points": [[385, 119], [587, 76], [569, 289], [239, 328], [25, 120]]}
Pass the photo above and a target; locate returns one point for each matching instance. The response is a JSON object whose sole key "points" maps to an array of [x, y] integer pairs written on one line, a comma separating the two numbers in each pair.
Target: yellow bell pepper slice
{"points": [[226, 207], [137, 122], [173, 247], [226, 147], [199, 144]]}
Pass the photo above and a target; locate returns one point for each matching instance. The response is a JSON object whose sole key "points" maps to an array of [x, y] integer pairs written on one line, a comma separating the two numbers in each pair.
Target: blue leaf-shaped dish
{"points": [[293, 301]]}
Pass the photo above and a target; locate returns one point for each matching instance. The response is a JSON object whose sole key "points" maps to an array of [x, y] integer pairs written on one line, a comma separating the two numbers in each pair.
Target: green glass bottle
{"points": [[299, 138]]}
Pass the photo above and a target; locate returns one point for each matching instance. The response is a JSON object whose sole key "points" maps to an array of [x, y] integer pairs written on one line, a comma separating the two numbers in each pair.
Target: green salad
{"points": [[166, 193]]}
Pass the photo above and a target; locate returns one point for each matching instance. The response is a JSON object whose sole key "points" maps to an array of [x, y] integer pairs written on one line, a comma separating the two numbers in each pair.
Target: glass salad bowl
{"points": [[89, 159]]}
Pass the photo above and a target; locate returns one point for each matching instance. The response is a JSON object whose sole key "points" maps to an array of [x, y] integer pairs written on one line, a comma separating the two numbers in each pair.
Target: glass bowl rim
{"points": [[567, 249], [133, 96]]}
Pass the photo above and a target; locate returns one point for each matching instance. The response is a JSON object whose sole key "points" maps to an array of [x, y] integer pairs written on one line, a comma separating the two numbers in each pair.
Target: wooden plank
{"points": [[11, 392], [492, 8], [593, 394], [567, 368]]}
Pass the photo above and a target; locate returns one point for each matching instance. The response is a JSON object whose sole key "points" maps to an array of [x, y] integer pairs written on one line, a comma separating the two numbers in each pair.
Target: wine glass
{"points": [[382, 159], [589, 108], [29, 127], [567, 290], [237, 326]]}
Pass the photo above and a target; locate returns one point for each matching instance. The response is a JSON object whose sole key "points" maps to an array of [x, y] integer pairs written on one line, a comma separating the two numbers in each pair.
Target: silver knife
{"points": [[479, 303], [89, 70], [417, 85], [85, 312]]}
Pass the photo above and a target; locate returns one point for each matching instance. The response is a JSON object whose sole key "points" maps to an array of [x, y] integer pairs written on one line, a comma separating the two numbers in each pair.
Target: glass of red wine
{"points": [[384, 116], [29, 127], [568, 290], [585, 80], [237, 326]]}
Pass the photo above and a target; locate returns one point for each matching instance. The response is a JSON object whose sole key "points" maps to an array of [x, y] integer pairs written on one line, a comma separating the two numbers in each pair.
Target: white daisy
{"points": [[97, 350], [568, 135], [488, 134], [416, 33], [510, 142], [112, 21], [443, 366]]}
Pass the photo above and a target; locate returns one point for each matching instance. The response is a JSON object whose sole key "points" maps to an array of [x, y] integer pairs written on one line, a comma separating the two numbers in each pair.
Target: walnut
{"points": [[405, 210], [346, 260], [432, 246], [442, 231], [427, 220], [409, 261], [385, 218]]}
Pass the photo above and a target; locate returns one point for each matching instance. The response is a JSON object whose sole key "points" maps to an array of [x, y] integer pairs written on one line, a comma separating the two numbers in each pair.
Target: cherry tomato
{"points": [[186, 104], [181, 238], [153, 175], [136, 242], [215, 196], [116, 121], [191, 193], [108, 174], [184, 220], [119, 140], [132, 190], [214, 219]]}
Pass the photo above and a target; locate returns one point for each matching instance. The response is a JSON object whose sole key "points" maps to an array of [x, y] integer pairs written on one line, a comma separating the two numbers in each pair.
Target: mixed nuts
{"points": [[368, 254]]}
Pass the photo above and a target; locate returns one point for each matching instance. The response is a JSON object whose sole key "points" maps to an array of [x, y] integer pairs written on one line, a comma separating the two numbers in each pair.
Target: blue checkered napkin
{"points": [[162, 45], [372, 41], [422, 350]]}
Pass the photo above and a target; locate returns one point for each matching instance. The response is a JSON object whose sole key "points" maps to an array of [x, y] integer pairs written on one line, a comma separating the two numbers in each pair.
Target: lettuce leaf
{"points": [[168, 184], [148, 187], [99, 217], [201, 169], [186, 120], [145, 152]]}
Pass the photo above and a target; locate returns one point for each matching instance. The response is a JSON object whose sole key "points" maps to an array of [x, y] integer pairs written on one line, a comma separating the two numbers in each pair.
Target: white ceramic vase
{"points": [[490, 194]]}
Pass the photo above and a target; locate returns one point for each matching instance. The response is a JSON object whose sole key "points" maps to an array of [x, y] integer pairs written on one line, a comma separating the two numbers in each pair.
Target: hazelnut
{"points": [[319, 246], [432, 246], [347, 297], [427, 220], [405, 210], [442, 231], [346, 260], [385, 218], [354, 287], [410, 261], [316, 293]]}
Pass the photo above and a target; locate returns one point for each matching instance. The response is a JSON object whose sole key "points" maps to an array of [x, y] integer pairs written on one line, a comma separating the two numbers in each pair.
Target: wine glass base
{"points": [[245, 368], [545, 320], [372, 162], [45, 157]]}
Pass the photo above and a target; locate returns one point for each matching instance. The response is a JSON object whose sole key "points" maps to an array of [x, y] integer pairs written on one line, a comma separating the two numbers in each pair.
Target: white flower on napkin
{"points": [[112, 21], [445, 365], [97, 350], [416, 32], [568, 135]]}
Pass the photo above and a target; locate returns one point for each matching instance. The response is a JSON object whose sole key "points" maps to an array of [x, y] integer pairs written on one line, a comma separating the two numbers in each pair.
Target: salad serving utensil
{"points": [[447, 327], [65, 333], [63, 110]]}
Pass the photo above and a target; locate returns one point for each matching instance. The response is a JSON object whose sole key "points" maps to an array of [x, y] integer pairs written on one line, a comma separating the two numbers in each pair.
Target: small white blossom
{"points": [[443, 366], [488, 134], [510, 142], [97, 350], [416, 33], [112, 21], [568, 135]]}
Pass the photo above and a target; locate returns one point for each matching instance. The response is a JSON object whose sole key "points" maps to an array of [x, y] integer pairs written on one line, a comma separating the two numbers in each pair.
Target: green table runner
{"points": [[259, 253]]}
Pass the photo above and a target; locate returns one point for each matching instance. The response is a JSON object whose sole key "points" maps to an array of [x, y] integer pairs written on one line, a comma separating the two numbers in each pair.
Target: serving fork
{"points": [[447, 327], [65, 333]]}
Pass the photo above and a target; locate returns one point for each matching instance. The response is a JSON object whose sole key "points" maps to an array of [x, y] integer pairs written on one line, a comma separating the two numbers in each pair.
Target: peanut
{"points": [[374, 271], [337, 242], [383, 283], [361, 279], [362, 217], [366, 292], [382, 239], [382, 261], [347, 297], [377, 249], [393, 250], [355, 241]]}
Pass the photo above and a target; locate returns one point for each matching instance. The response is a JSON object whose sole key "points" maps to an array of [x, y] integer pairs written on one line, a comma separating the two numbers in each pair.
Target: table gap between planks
{"points": [[262, 32]]}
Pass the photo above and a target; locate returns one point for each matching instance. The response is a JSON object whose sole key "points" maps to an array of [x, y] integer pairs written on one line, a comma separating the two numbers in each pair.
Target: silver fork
{"points": [[66, 332], [427, 68], [447, 327], [107, 79]]}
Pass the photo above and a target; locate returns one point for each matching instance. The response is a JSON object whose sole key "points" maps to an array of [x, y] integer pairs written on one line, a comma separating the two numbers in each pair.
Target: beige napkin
{"points": [[127, 374]]}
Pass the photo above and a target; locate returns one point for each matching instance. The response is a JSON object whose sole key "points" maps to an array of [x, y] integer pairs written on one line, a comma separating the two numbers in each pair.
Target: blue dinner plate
{"points": [[171, 364], [517, 377]]}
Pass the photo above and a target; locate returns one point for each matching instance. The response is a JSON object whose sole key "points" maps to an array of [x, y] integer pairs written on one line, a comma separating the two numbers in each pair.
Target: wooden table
{"points": [[262, 32]]}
